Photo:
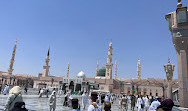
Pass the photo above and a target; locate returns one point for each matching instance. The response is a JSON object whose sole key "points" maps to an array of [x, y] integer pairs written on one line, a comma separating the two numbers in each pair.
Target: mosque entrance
{"points": [[71, 86], [78, 87]]}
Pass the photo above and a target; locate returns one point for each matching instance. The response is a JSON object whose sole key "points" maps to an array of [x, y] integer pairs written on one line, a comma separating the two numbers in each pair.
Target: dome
{"points": [[81, 74], [102, 72]]}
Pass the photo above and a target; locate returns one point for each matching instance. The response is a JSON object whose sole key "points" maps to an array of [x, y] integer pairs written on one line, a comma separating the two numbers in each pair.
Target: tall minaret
{"points": [[97, 69], [115, 72], [12, 60], [109, 64], [138, 70], [68, 70], [46, 67]]}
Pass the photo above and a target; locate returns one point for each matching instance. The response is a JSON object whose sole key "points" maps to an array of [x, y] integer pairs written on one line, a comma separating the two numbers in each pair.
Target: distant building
{"points": [[76, 84]]}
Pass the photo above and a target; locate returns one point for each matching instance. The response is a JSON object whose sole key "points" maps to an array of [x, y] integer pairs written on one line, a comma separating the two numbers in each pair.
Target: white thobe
{"points": [[154, 105], [84, 100], [139, 102]]}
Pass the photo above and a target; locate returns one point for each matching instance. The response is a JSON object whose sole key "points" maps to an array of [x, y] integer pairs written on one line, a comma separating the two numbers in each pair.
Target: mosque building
{"points": [[149, 86], [102, 81]]}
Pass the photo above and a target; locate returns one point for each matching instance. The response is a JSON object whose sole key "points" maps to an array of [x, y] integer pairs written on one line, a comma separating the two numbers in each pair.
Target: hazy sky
{"points": [[79, 32]]}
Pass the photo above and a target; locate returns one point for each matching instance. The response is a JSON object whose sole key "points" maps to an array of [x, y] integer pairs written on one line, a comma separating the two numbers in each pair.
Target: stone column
{"points": [[169, 91], [183, 77], [74, 87]]}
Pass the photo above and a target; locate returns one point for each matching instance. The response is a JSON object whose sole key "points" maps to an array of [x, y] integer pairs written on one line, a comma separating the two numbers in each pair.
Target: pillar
{"points": [[183, 77], [169, 91]]}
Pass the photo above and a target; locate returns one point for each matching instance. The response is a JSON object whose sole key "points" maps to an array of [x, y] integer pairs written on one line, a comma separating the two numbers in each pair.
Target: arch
{"points": [[71, 86], [78, 87]]}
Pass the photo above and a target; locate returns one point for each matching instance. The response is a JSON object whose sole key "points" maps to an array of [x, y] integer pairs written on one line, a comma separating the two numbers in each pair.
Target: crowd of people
{"points": [[96, 101]]}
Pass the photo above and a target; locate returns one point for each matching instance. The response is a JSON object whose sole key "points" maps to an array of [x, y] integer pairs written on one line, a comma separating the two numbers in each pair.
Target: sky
{"points": [[79, 32]]}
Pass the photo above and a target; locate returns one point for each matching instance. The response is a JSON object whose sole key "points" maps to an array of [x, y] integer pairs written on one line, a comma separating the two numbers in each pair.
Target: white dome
{"points": [[81, 74]]}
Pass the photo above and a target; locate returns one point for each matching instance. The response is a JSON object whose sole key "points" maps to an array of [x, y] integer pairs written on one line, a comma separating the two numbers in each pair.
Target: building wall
{"points": [[144, 90], [48, 84]]}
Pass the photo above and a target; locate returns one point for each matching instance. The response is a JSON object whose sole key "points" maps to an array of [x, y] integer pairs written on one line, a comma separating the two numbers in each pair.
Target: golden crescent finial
{"points": [[179, 4]]}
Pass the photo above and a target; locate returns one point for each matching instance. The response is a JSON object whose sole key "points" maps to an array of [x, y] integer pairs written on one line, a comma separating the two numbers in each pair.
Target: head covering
{"points": [[15, 90], [94, 94], [166, 105], [107, 106], [154, 105]]}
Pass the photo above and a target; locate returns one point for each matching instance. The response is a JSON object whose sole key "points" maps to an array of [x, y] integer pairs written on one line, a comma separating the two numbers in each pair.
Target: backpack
{"points": [[19, 106]]}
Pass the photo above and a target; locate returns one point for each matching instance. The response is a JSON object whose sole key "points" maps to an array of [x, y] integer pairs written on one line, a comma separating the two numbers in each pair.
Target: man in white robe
{"points": [[84, 99], [6, 90]]}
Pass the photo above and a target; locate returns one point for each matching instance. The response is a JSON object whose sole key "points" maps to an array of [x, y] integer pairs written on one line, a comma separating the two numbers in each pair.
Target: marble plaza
{"points": [[33, 103]]}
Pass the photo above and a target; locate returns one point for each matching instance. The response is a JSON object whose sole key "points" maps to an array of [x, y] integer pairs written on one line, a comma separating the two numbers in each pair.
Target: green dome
{"points": [[102, 72]]}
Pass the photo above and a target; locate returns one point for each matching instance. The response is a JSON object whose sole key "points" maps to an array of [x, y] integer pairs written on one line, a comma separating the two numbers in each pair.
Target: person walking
{"points": [[6, 89], [25, 90], [65, 100], [155, 104], [52, 101], [93, 106], [98, 104], [112, 99], [41, 93], [47, 93], [124, 102], [140, 103], [120, 102], [166, 105], [133, 101], [84, 99], [14, 98], [106, 98], [107, 106], [147, 103]]}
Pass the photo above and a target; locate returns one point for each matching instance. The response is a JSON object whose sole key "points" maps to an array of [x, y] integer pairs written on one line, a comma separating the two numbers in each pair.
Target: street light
{"points": [[169, 69]]}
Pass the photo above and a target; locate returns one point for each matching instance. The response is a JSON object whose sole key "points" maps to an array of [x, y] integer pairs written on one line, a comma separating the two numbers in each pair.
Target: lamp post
{"points": [[169, 69], [178, 26]]}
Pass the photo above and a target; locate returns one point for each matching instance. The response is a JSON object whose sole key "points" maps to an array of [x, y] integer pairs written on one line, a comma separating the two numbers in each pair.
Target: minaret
{"points": [[12, 60], [97, 69], [109, 64], [68, 70], [46, 67], [115, 72], [138, 70]]}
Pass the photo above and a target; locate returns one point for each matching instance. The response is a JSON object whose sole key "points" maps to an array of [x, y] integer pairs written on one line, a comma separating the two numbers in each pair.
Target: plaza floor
{"points": [[33, 103]]}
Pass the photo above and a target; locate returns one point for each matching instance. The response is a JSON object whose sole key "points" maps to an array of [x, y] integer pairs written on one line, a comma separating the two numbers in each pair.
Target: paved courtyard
{"points": [[33, 103]]}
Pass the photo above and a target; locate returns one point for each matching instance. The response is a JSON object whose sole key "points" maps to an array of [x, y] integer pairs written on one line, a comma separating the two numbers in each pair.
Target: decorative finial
{"points": [[169, 60], [48, 54], [179, 4]]}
